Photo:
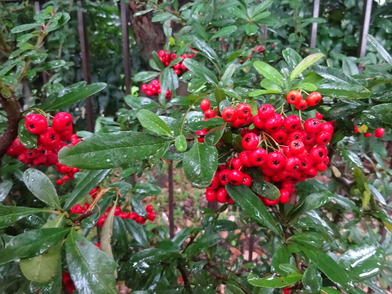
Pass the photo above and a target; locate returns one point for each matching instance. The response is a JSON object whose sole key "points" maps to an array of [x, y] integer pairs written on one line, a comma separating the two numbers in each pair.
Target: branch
{"points": [[12, 108]]}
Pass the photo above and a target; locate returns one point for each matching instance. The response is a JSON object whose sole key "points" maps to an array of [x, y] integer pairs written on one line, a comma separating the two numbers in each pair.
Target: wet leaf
{"points": [[91, 270], [260, 186], [42, 187], [31, 243], [269, 73], [305, 63], [137, 232], [110, 150], [153, 123], [272, 281], [180, 143], [292, 57], [213, 136], [28, 139], [380, 49], [253, 206], [344, 90], [11, 214], [363, 262], [140, 102], [200, 164], [5, 188], [312, 280], [224, 32]]}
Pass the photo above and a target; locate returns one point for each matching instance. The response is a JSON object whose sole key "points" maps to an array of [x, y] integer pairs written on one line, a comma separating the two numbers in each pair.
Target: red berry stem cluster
{"points": [[154, 88], [151, 214], [284, 149], [294, 97], [50, 140]]}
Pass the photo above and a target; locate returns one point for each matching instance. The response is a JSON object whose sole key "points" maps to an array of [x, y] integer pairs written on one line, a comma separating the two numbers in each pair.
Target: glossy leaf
{"points": [[262, 187], [145, 76], [269, 73], [24, 27], [340, 110], [42, 268], [31, 243], [137, 232], [28, 139], [180, 143], [292, 57], [42, 187], [140, 102], [110, 150], [153, 123], [201, 70], [272, 281], [226, 31], [334, 75], [213, 136], [91, 270], [224, 225], [363, 262], [312, 279], [343, 90], [325, 263], [380, 49], [200, 164], [145, 189], [72, 96], [5, 188], [11, 214], [205, 49], [253, 206], [89, 182], [305, 63]]}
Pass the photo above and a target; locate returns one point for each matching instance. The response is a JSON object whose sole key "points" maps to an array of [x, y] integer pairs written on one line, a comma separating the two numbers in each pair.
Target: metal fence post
{"points": [[125, 45], [313, 33]]}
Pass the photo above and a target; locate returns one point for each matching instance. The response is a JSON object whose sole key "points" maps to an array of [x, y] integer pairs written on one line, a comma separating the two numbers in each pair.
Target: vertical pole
{"points": [[367, 7], [125, 46], [171, 200], [37, 10], [251, 243], [313, 34], [85, 64]]}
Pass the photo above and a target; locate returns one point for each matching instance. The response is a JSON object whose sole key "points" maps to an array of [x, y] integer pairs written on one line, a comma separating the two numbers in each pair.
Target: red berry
{"points": [[367, 135], [258, 122], [314, 98], [76, 209], [276, 160], [279, 136], [244, 156], [149, 208], [229, 114], [234, 163], [266, 111], [224, 177], [210, 195], [292, 164], [274, 123], [151, 216], [221, 195], [379, 133], [312, 125], [49, 139], [258, 157], [244, 110], [318, 153], [293, 97], [236, 177], [269, 202], [62, 122], [323, 138], [296, 146], [36, 123], [209, 113], [205, 104], [292, 123], [284, 196], [302, 105], [319, 115], [247, 180], [250, 141]]}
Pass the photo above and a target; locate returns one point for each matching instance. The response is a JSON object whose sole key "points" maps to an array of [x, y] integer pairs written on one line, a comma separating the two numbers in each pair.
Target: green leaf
{"points": [[281, 255], [363, 262], [28, 139], [224, 32], [5, 188], [253, 206], [307, 87], [334, 75], [260, 186], [339, 110], [304, 64], [224, 225], [140, 102], [101, 151], [180, 143], [205, 49], [74, 95], [145, 189], [89, 182], [152, 122], [272, 281], [226, 77], [343, 90], [200, 164], [292, 57], [42, 187], [200, 70], [31, 243], [380, 49], [269, 73], [11, 214], [42, 268], [91, 270], [145, 76], [260, 16], [213, 136], [24, 27], [251, 28], [325, 263], [311, 202], [312, 280], [137, 232], [168, 81]]}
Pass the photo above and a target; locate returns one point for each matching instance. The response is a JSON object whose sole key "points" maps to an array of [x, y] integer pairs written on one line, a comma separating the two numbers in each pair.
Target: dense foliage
{"points": [[293, 143]]}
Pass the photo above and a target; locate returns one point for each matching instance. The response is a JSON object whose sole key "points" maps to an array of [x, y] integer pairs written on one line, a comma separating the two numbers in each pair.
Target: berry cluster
{"points": [[295, 97], [166, 58], [151, 214], [284, 149], [154, 88], [50, 140]]}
